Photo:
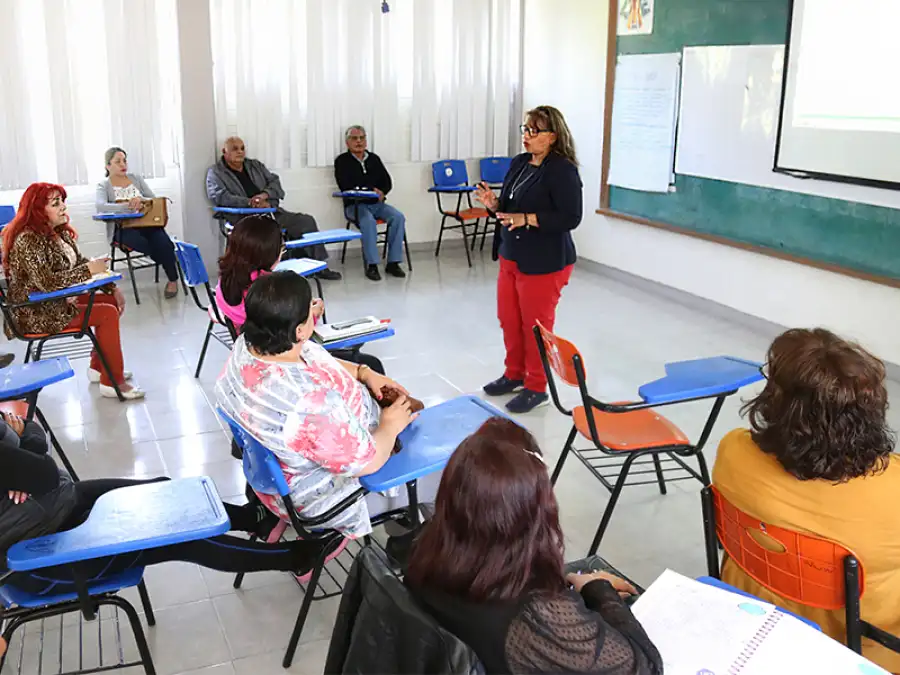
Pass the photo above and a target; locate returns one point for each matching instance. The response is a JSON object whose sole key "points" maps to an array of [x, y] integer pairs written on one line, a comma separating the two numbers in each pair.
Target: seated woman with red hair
{"points": [[39, 256]]}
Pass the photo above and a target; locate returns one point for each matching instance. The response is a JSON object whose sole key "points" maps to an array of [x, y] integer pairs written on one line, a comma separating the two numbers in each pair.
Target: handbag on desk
{"points": [[155, 214]]}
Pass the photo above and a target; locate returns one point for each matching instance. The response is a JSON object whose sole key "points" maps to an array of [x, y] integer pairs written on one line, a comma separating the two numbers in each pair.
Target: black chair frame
{"points": [[490, 223], [329, 539], [857, 628], [38, 345], [135, 261], [461, 223], [89, 607], [33, 411], [619, 464], [221, 329], [381, 238]]}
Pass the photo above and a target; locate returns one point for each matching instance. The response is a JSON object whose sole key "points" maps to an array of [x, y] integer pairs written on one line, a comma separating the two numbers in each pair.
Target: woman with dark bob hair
{"points": [[818, 458], [489, 567], [319, 415]]}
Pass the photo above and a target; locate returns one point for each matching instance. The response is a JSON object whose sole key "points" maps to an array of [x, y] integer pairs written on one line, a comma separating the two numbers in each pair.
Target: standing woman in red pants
{"points": [[539, 206]]}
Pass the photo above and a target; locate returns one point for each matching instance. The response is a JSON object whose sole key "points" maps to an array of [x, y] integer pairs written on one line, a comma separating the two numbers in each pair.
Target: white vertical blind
{"points": [[429, 79], [79, 76]]}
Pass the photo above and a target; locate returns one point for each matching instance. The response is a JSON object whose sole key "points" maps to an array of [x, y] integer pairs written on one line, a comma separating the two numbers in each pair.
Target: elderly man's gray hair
{"points": [[350, 129]]}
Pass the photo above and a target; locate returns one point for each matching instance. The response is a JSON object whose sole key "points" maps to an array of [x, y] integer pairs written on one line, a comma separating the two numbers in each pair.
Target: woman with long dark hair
{"points": [[489, 567], [40, 255], [539, 206], [254, 248], [819, 458]]}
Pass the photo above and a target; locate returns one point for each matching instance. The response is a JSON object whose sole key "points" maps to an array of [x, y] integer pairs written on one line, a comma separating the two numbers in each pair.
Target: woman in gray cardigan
{"points": [[150, 241]]}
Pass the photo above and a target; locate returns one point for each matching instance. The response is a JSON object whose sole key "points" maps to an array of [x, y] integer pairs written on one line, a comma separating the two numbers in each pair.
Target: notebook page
{"points": [[698, 628], [794, 647]]}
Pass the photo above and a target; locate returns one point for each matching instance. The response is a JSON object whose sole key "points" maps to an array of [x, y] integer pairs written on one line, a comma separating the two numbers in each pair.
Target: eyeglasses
{"points": [[357, 138], [532, 131]]}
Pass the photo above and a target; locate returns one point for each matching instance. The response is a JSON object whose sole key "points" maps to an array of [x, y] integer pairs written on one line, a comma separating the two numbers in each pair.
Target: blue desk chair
{"points": [[264, 474], [381, 237], [451, 178], [194, 273], [134, 260], [20, 385], [623, 433], [493, 172], [221, 214], [7, 213], [68, 342], [122, 521]]}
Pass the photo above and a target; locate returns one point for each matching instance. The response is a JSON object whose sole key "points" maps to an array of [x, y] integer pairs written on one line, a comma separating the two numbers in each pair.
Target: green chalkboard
{"points": [[850, 235]]}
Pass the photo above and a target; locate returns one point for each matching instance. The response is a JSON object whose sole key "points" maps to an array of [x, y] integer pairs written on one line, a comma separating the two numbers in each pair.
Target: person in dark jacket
{"points": [[238, 181], [489, 567], [539, 206], [38, 498], [360, 169]]}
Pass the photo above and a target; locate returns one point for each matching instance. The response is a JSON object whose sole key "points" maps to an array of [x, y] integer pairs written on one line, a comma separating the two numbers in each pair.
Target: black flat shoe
{"points": [[502, 386], [329, 275], [373, 273], [526, 401], [395, 270]]}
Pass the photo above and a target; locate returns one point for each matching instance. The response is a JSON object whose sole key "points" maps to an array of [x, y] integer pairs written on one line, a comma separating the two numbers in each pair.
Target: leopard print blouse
{"points": [[41, 265]]}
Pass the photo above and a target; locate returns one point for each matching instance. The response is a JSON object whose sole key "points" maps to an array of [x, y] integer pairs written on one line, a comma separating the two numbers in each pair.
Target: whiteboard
{"points": [[645, 105], [728, 123]]}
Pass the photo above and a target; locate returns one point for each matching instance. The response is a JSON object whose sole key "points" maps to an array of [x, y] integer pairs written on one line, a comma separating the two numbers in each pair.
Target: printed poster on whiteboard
{"points": [[635, 17]]}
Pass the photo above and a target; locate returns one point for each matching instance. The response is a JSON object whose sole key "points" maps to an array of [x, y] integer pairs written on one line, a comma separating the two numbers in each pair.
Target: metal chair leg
{"points": [[304, 610], [562, 456], [611, 505], [156, 274], [139, 638], [137, 298], [462, 225], [704, 471], [437, 249], [54, 442], [209, 330], [344, 247], [659, 474], [145, 602], [406, 246]]}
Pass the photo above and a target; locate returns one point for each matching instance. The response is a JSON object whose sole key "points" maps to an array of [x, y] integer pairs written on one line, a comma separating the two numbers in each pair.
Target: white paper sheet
{"points": [[645, 105]]}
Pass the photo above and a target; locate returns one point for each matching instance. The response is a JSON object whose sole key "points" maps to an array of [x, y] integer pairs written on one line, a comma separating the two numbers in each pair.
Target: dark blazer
{"points": [[349, 174], [555, 196], [380, 628]]}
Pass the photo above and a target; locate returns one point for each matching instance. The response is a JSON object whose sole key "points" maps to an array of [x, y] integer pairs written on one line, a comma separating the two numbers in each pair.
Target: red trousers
{"points": [[105, 322], [522, 301]]}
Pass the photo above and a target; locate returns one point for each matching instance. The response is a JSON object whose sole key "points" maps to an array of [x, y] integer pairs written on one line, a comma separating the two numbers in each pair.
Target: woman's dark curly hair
{"points": [[823, 411]]}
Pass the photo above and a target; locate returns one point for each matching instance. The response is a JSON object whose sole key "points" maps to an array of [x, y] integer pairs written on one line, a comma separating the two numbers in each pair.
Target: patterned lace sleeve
{"points": [[558, 633]]}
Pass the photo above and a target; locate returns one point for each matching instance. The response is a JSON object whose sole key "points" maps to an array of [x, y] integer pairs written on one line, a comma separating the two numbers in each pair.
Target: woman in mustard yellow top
{"points": [[818, 458]]}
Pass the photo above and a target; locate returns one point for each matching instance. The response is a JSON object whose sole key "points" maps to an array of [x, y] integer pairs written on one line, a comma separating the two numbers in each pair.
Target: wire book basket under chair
{"points": [[631, 439]]}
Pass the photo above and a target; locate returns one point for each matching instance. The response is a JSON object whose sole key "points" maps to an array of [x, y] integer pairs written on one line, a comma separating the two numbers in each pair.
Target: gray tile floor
{"points": [[448, 342]]}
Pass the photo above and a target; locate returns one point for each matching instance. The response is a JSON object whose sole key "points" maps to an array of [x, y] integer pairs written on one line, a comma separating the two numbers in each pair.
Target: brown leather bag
{"points": [[155, 214]]}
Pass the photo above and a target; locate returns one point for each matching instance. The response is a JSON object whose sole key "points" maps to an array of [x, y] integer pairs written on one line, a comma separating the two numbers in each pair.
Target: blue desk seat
{"points": [[451, 177], [134, 260], [353, 342], [243, 210], [700, 378], [427, 443], [718, 583], [305, 267], [125, 520], [23, 382], [323, 237], [77, 289]]}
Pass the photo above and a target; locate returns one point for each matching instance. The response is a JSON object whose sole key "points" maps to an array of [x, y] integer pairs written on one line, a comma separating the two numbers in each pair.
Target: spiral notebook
{"points": [[703, 630]]}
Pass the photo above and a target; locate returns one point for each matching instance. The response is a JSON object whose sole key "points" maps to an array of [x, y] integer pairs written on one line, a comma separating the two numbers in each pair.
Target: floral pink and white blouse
{"points": [[316, 418]]}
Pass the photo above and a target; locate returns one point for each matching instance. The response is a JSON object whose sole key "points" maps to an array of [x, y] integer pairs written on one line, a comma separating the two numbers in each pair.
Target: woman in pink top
{"points": [[255, 246]]}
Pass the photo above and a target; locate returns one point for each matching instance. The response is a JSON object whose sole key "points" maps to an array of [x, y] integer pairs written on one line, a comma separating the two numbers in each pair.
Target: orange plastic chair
{"points": [[800, 567], [628, 438]]}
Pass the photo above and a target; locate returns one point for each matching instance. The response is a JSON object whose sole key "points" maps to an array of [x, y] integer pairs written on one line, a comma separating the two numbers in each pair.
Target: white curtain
{"points": [[79, 76], [429, 79], [466, 79]]}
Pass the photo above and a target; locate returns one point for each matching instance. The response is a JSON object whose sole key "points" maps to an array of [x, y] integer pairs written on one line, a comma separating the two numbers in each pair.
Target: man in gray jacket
{"points": [[237, 181]]}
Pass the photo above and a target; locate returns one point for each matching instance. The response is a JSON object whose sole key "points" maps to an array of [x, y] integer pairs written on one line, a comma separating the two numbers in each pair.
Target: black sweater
{"points": [[554, 194], [351, 174]]}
